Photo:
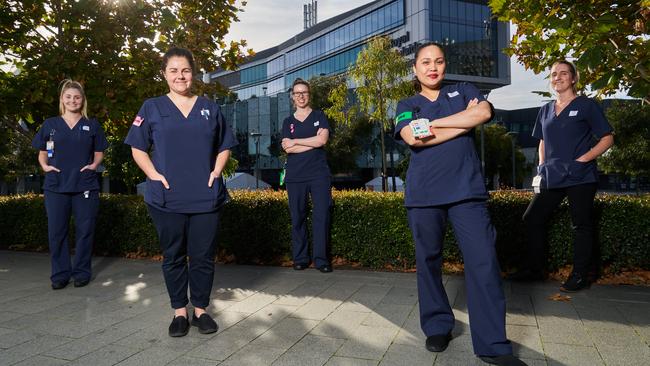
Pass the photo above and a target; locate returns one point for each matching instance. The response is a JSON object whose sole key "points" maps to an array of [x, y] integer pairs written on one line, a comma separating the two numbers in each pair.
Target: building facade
{"points": [[473, 41]]}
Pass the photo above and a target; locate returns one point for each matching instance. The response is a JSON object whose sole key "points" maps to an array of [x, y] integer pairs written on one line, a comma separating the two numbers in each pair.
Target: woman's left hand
{"points": [[92, 167], [213, 176], [582, 159]]}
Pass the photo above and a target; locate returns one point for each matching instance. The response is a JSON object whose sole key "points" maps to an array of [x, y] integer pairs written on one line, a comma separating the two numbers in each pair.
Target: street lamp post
{"points": [[513, 135], [256, 136]]}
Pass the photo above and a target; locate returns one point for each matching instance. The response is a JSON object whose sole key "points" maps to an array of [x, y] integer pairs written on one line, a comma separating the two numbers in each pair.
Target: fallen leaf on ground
{"points": [[559, 297]]}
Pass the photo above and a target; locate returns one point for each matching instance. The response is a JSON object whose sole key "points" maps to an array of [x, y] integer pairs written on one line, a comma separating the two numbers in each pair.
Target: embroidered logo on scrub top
{"points": [[138, 121], [573, 113], [452, 94], [205, 113], [403, 116], [291, 129], [316, 123], [85, 128]]}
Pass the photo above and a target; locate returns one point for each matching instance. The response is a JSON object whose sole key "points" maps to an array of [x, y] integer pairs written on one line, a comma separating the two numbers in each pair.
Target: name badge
{"points": [[420, 128], [85, 128], [453, 94], [573, 113], [317, 123], [205, 113]]}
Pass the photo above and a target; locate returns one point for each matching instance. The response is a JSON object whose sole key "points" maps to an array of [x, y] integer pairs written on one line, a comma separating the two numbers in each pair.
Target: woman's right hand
{"points": [[51, 168], [161, 178]]}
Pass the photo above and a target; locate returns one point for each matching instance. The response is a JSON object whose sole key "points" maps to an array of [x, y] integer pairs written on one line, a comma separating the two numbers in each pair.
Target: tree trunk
{"points": [[383, 158]]}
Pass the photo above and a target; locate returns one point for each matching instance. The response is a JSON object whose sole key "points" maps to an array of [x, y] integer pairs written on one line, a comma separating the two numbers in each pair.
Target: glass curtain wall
{"points": [[466, 29]]}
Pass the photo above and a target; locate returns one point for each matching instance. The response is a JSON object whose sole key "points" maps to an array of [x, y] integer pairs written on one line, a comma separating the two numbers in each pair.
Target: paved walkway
{"points": [[277, 316]]}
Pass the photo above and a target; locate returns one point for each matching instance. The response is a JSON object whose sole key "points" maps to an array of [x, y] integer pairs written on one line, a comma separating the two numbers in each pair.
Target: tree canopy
{"points": [[630, 154], [112, 47], [609, 40], [379, 78]]}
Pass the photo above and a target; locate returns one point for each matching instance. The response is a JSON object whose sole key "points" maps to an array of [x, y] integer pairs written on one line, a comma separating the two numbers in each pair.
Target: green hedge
{"points": [[368, 228]]}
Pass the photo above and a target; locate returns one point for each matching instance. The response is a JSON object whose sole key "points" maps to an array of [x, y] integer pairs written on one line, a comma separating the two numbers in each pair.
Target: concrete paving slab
{"points": [[274, 315]]}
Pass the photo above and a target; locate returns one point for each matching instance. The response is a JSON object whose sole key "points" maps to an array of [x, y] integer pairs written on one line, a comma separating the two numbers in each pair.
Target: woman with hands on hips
{"points": [[190, 144], [567, 129], [71, 147]]}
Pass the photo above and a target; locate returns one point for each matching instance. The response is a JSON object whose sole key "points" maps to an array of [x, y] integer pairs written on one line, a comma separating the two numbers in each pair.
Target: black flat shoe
{"points": [[57, 285], [205, 323], [503, 360], [325, 269], [81, 283], [300, 267], [179, 327], [575, 283], [438, 343]]}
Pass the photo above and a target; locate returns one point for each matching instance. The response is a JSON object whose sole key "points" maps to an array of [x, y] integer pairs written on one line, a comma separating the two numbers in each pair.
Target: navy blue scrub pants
{"points": [[321, 198], [181, 236], [581, 207], [485, 300], [59, 206]]}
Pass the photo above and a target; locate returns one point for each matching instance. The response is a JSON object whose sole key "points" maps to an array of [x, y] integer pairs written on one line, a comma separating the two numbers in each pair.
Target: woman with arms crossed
{"points": [[444, 181], [305, 133]]}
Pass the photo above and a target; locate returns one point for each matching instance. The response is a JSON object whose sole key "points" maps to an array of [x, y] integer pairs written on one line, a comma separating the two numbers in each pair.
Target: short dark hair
{"points": [[178, 52], [416, 82]]}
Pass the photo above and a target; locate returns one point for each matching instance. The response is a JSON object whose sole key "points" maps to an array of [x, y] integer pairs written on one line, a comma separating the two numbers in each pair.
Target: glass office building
{"points": [[473, 41]]}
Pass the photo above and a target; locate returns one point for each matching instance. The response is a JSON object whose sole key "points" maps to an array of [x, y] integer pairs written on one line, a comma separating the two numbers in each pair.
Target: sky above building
{"points": [[267, 23]]}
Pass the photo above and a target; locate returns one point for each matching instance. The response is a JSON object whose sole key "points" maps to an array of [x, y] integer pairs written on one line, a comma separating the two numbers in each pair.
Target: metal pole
{"points": [[257, 135], [513, 135], [514, 176]]}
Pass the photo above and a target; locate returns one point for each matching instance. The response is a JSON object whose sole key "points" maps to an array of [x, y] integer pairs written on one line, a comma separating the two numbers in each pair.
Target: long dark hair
{"points": [[416, 83]]}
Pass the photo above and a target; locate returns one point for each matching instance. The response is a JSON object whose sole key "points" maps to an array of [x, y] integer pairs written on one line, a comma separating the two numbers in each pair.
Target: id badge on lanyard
{"points": [[49, 145], [537, 182]]}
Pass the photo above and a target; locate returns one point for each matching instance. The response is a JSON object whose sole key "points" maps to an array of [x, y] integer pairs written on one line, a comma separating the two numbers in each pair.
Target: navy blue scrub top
{"points": [[184, 151], [448, 172], [74, 148], [567, 137], [308, 165]]}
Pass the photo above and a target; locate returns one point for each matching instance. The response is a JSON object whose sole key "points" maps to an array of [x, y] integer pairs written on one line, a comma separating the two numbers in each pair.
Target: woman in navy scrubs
{"points": [[444, 182], [189, 143], [566, 128], [304, 134], [71, 147]]}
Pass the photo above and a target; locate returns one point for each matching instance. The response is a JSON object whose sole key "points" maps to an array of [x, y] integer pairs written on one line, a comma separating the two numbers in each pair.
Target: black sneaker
{"points": [[179, 327], [300, 267], [575, 283], [438, 343], [205, 323], [503, 360]]}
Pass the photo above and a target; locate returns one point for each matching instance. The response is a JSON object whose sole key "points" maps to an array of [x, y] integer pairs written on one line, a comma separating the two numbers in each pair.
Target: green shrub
{"points": [[369, 228]]}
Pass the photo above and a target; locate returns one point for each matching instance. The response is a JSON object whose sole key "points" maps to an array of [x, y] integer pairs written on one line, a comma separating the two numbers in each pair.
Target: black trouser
{"points": [[182, 235], [581, 207]]}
